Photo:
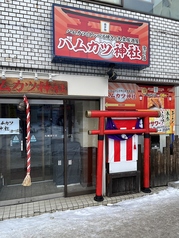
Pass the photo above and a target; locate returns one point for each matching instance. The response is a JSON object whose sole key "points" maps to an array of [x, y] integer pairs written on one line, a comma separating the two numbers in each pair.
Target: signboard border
{"points": [[92, 62]]}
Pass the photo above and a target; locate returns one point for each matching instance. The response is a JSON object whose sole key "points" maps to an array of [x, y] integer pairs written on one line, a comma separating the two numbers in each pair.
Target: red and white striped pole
{"points": [[27, 179]]}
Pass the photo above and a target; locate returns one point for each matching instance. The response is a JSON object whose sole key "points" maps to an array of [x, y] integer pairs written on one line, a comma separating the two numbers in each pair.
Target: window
{"points": [[118, 2], [164, 8], [139, 5]]}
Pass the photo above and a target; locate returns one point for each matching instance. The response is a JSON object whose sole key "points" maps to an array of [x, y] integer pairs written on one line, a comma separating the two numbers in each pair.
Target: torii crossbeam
{"points": [[101, 132]]}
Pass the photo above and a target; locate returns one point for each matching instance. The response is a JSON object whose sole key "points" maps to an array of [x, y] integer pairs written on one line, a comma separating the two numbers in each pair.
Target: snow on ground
{"points": [[98, 221]]}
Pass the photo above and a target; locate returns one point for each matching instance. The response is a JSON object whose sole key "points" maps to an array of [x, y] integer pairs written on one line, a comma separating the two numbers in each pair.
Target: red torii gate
{"points": [[101, 132]]}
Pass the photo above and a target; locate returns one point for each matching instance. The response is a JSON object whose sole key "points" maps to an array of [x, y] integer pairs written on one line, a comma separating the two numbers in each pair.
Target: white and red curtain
{"points": [[123, 148]]}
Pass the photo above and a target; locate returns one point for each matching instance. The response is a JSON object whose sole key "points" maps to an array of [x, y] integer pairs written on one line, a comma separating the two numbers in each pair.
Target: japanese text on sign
{"points": [[121, 94], [93, 36], [11, 85], [9, 126], [118, 50], [164, 123]]}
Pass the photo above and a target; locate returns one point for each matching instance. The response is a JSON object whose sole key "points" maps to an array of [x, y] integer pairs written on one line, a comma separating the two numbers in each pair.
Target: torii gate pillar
{"points": [[101, 132]]}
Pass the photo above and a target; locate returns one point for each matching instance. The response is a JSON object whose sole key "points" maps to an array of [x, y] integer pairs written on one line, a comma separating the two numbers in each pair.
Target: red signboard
{"points": [[31, 86], [128, 96], [93, 36]]}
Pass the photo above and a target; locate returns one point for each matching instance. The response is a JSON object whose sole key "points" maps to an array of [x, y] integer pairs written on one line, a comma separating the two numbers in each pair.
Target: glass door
{"points": [[12, 161], [45, 129], [80, 148], [62, 152]]}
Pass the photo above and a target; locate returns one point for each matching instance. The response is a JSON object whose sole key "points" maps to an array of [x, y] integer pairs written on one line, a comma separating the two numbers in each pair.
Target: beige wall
{"points": [[79, 85]]}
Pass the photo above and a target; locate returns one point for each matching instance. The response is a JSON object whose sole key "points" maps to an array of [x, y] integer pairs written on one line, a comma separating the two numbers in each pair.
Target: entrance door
{"points": [[45, 128], [63, 155]]}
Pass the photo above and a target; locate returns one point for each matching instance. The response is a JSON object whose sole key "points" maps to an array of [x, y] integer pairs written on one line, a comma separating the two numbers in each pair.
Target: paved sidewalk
{"points": [[61, 204]]}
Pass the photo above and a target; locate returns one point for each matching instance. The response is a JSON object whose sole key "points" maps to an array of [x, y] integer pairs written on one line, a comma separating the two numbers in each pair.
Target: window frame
{"points": [[122, 6], [110, 2], [105, 2]]}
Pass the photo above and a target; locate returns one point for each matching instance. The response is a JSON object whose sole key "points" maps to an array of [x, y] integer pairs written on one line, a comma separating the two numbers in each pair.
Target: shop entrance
{"points": [[61, 154], [45, 127]]}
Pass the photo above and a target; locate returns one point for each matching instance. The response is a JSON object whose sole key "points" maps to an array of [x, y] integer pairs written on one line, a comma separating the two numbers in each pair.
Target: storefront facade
{"points": [[63, 155]]}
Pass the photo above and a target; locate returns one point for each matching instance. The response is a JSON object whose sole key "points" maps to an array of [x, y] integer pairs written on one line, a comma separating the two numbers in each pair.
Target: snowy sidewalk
{"points": [[61, 204], [150, 216]]}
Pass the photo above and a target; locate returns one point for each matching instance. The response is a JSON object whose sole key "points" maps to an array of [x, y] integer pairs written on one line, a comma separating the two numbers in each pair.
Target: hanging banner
{"points": [[123, 154], [88, 36], [31, 86], [9, 126]]}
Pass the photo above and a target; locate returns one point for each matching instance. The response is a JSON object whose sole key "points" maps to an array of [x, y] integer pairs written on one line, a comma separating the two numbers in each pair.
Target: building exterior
{"points": [[60, 88]]}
